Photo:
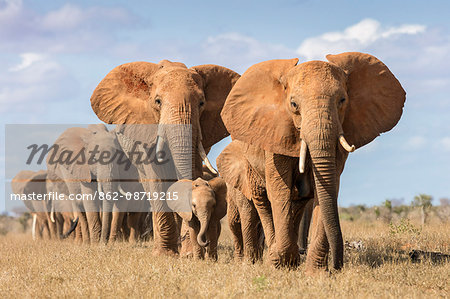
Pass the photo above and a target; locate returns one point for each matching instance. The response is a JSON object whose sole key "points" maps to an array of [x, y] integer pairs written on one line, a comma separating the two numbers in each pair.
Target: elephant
{"points": [[208, 206], [184, 104], [98, 176], [305, 119], [244, 189], [44, 217]]}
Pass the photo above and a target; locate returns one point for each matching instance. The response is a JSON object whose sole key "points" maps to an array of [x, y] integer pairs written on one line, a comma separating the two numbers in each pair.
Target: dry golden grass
{"points": [[65, 269]]}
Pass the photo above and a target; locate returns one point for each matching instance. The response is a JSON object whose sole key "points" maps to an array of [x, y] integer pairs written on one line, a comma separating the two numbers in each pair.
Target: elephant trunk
{"points": [[322, 139], [182, 134], [204, 223], [181, 149]]}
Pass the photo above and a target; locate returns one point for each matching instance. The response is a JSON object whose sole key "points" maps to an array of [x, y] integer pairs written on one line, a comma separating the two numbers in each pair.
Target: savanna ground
{"points": [[382, 268]]}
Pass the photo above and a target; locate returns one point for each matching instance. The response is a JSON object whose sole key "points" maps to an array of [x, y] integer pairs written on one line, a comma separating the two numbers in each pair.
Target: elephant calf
{"points": [[244, 187], [209, 206]]}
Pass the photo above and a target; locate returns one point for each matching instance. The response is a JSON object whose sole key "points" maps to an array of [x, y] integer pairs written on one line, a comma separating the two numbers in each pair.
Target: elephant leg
{"points": [[82, 235], [165, 234], [133, 222], [262, 205], [125, 231], [186, 249], [84, 227], [164, 225], [59, 224], [52, 228], [279, 177], [116, 224], [78, 235], [94, 225], [249, 226], [197, 251], [44, 230], [92, 212], [119, 213], [317, 257], [40, 229], [213, 237], [234, 223], [304, 226]]}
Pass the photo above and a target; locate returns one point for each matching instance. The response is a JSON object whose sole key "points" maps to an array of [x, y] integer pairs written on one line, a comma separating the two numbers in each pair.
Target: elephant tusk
{"points": [[52, 213], [33, 229], [159, 149], [205, 159], [345, 144], [121, 191], [202, 150], [160, 144], [303, 150], [99, 187]]}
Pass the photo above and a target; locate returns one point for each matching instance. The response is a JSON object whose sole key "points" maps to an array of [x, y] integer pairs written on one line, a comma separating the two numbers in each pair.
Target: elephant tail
{"points": [[73, 225]]}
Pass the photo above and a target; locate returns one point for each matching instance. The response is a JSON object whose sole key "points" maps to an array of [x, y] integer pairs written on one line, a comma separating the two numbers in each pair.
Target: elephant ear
{"points": [[220, 190], [376, 97], [122, 96], [71, 141], [28, 181], [38, 182], [218, 81], [183, 204], [255, 111]]}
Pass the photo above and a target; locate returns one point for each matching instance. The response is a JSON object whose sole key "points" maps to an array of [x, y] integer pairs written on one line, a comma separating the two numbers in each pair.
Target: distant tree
{"points": [[388, 205], [23, 220], [377, 212], [423, 201]]}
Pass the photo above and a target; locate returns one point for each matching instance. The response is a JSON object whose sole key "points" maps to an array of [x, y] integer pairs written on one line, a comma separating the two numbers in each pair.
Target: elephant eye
{"points": [[341, 101], [158, 101], [202, 104], [294, 105]]}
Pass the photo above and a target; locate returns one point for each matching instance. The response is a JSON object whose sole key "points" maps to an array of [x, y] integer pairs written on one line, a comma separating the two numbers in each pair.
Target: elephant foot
{"points": [[317, 272], [316, 265], [188, 255], [285, 259], [252, 257], [164, 252], [212, 256]]}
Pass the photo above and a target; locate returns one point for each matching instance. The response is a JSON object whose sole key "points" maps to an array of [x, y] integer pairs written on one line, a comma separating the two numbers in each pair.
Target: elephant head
{"points": [[207, 200], [169, 93], [28, 182], [291, 109]]}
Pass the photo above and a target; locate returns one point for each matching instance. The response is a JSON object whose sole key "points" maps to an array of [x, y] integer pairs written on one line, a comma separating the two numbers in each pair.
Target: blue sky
{"points": [[53, 54]]}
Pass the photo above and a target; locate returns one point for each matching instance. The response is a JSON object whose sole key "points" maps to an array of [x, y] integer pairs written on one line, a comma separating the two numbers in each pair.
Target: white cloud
{"points": [[33, 83], [415, 142], [239, 51], [354, 38], [445, 143], [67, 17], [27, 60], [69, 28]]}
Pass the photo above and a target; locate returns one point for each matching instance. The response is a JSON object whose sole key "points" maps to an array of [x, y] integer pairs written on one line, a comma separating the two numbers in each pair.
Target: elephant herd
{"points": [[292, 127]]}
